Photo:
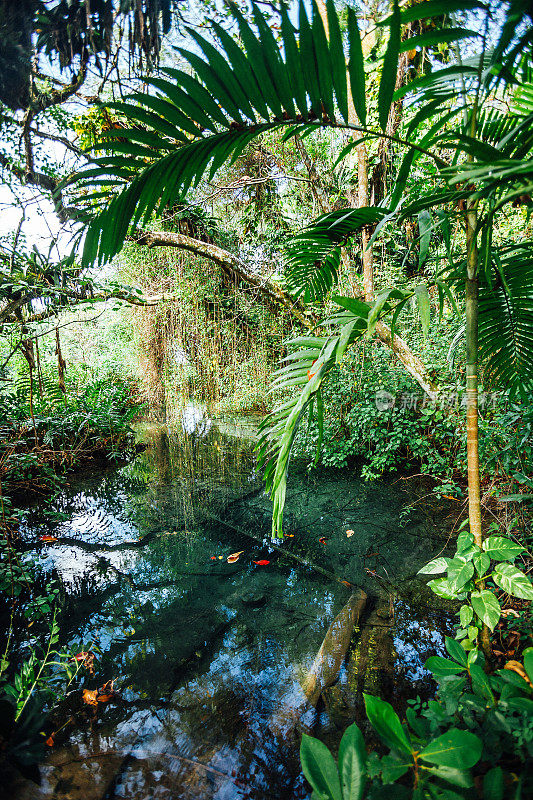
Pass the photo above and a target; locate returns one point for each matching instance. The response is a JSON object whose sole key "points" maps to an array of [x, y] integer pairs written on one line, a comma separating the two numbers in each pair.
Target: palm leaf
{"points": [[506, 320], [390, 68], [313, 255], [307, 366]]}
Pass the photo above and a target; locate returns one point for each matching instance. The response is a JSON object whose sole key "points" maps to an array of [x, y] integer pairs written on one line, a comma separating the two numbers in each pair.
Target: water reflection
{"points": [[210, 656]]}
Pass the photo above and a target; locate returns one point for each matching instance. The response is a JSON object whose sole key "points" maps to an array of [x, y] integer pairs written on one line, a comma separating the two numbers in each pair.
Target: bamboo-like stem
{"points": [[471, 334]]}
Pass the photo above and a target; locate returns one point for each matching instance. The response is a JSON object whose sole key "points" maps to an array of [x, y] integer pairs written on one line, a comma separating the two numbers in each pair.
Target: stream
{"points": [[207, 656]]}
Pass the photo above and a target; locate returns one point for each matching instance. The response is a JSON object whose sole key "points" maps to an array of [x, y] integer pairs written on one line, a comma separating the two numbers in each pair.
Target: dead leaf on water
{"points": [[106, 692], [48, 539], [349, 533], [89, 696], [234, 557]]}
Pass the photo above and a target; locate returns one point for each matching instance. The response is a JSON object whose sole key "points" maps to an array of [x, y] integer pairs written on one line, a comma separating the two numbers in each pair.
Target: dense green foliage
{"points": [[444, 111], [447, 745]]}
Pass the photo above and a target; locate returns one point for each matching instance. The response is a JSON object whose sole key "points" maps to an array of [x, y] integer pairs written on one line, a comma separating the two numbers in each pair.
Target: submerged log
{"points": [[323, 672], [329, 659]]}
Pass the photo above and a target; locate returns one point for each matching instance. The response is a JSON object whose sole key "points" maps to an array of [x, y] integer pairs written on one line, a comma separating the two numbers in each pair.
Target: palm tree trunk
{"points": [[472, 416], [472, 439]]}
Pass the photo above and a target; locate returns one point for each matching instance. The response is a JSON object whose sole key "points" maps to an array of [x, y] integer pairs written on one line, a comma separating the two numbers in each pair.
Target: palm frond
{"points": [[313, 255], [308, 363], [189, 124], [506, 320], [306, 367]]}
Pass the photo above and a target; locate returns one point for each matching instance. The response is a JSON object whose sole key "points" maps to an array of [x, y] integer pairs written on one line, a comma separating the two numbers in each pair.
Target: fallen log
{"points": [[329, 659], [324, 670]]}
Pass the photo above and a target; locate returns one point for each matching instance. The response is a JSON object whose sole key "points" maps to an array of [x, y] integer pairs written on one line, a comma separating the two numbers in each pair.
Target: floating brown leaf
{"points": [[106, 692], [89, 696], [349, 533], [234, 557], [48, 539]]}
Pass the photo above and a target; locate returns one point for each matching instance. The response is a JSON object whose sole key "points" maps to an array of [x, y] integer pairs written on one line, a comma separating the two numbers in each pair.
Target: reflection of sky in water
{"points": [[209, 654], [194, 419]]}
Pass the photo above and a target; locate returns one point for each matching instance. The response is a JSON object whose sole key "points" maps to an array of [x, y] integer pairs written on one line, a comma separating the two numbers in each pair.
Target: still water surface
{"points": [[209, 656]]}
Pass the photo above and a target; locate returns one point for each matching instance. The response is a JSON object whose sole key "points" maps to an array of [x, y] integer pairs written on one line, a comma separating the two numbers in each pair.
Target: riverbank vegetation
{"points": [[318, 214]]}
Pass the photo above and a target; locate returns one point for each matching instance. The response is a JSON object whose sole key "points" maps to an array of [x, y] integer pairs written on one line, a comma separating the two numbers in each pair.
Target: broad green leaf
{"points": [[442, 588], [456, 749], [522, 704], [528, 662], [465, 615], [481, 563], [443, 666], [513, 581], [352, 763], [344, 339], [390, 68], [480, 682], [459, 572], [422, 298], [493, 785], [500, 548], [487, 607], [319, 768], [511, 677], [434, 567], [457, 777], [464, 541], [455, 650], [352, 304], [393, 768], [472, 632], [387, 724]]}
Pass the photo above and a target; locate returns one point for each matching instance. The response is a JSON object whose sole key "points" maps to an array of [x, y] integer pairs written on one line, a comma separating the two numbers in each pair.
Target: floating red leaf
{"points": [[80, 656], [262, 563], [48, 539]]}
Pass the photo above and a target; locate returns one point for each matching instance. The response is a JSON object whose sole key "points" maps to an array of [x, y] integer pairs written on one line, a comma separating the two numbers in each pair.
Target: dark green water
{"points": [[209, 656]]}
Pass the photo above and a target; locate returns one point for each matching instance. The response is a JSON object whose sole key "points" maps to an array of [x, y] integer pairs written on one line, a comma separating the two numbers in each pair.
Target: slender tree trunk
{"points": [[472, 439], [364, 200], [472, 415]]}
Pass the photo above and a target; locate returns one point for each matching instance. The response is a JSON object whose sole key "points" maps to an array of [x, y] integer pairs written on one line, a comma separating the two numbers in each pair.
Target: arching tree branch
{"points": [[234, 266]]}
